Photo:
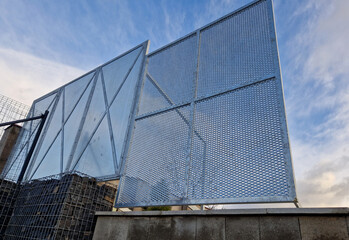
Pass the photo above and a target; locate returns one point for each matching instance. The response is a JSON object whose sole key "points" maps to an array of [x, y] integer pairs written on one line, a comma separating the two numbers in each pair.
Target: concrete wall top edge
{"points": [[260, 211]]}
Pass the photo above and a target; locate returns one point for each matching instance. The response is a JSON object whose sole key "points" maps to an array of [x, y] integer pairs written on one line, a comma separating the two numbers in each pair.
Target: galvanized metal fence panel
{"points": [[170, 76], [86, 129], [211, 125]]}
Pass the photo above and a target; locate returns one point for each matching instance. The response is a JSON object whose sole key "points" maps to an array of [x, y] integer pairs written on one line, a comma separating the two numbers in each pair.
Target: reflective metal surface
{"points": [[211, 125], [88, 121]]}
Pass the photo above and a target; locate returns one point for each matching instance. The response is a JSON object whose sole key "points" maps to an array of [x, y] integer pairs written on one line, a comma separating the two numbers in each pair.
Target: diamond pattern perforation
{"points": [[237, 149], [155, 169], [173, 69], [75, 128], [236, 50], [241, 151]]}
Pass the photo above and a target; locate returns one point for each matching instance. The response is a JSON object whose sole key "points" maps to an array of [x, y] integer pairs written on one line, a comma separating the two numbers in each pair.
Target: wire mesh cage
{"points": [[8, 194], [11, 110], [9, 187], [59, 207]]}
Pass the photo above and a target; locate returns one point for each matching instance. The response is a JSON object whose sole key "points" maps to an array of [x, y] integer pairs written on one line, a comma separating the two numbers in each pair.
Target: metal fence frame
{"points": [[191, 104], [11, 110], [52, 103]]}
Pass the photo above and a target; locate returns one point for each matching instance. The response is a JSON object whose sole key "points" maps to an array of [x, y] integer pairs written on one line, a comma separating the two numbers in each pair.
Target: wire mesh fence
{"points": [[9, 187], [59, 207], [11, 110], [211, 125], [8, 193], [62, 188]]}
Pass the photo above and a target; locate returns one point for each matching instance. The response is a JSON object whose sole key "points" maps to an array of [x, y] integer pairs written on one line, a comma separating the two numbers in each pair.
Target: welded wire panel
{"points": [[8, 194], [58, 207], [11, 110], [19, 152], [231, 144]]}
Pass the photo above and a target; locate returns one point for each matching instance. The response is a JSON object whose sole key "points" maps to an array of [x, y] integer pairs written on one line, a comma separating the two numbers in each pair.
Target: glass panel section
{"points": [[93, 117], [74, 91], [72, 125], [115, 72], [54, 127], [51, 164], [42, 105], [121, 108], [15, 161], [97, 159]]}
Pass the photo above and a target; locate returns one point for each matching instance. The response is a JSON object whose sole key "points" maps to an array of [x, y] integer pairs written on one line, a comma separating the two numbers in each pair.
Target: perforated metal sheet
{"points": [[243, 155], [88, 121], [236, 50], [161, 138], [211, 125], [170, 77]]}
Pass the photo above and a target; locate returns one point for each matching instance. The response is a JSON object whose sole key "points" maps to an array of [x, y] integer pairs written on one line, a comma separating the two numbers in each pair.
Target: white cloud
{"points": [[326, 184], [214, 9], [320, 101], [173, 23], [317, 73], [25, 77]]}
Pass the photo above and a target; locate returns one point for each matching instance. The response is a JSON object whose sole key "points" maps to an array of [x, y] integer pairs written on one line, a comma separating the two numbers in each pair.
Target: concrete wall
{"points": [[261, 224], [7, 142]]}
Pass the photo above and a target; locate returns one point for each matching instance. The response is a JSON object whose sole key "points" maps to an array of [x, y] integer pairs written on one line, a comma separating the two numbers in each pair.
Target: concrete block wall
{"points": [[7, 142], [259, 224]]}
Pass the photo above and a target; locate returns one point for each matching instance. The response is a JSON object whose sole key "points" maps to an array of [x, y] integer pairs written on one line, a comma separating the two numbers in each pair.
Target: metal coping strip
{"points": [[243, 200]]}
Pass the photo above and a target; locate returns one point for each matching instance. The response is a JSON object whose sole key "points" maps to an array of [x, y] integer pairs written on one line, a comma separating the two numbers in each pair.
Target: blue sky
{"points": [[44, 44]]}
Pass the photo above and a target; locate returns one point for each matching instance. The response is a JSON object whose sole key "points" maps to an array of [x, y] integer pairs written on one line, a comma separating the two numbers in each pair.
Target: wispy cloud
{"points": [[76, 36], [173, 23], [316, 73], [31, 76], [214, 9], [326, 184]]}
